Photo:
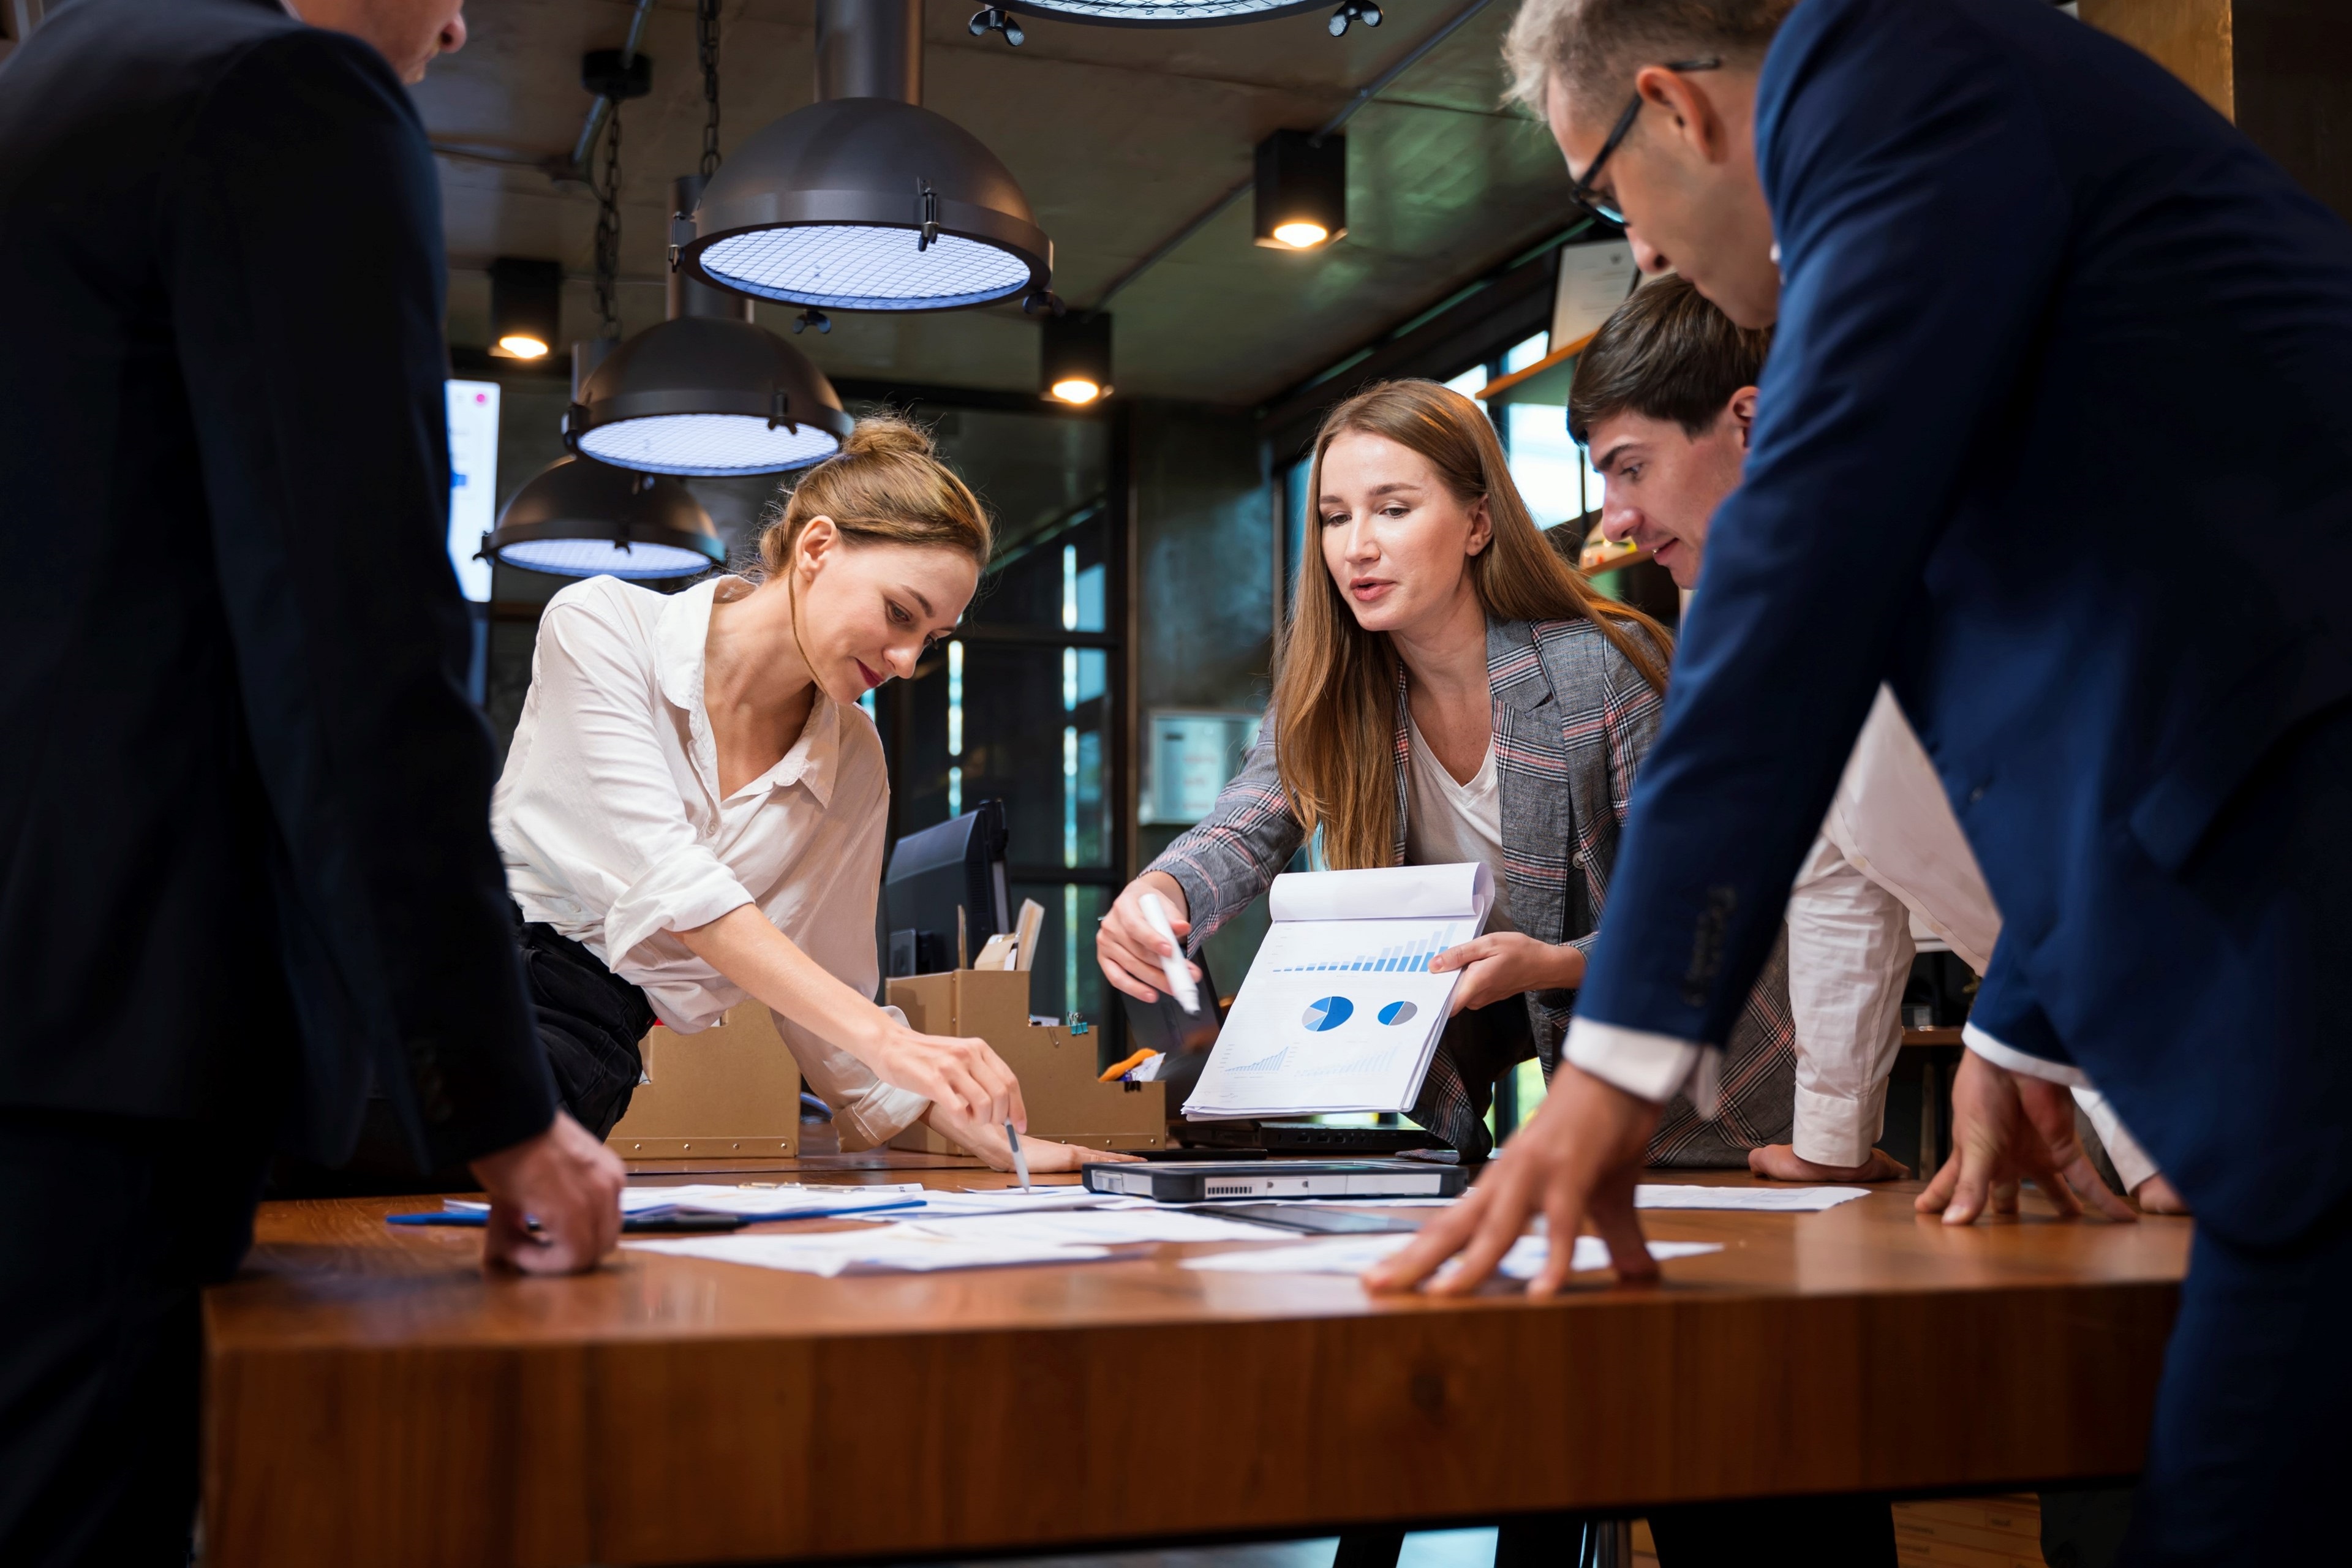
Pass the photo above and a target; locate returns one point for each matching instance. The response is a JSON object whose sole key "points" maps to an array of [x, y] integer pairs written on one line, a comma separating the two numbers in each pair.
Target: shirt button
{"points": [[1976, 794]]}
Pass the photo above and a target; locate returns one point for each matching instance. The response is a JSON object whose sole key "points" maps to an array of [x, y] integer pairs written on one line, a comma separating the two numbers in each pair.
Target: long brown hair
{"points": [[1335, 684]]}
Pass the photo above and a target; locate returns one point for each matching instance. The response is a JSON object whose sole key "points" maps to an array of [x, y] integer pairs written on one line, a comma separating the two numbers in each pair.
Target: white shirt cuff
{"points": [[1650, 1066], [1836, 1128], [2131, 1162], [2012, 1059]]}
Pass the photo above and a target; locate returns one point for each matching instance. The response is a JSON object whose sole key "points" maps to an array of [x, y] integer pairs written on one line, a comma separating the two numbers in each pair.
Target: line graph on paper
{"points": [[1407, 952]]}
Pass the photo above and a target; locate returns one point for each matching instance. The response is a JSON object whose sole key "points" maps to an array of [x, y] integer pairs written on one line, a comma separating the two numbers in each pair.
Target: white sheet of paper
{"points": [[1097, 1228], [1012, 1200], [1762, 1200], [782, 1201], [894, 1250], [1353, 1254]]}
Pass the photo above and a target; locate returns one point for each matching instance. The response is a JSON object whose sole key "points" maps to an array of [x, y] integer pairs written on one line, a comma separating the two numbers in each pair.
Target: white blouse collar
{"points": [[682, 633]]}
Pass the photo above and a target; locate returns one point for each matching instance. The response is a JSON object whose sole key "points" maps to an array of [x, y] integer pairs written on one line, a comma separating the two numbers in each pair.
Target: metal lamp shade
{"points": [[579, 519], [829, 206], [708, 396], [1170, 13]]}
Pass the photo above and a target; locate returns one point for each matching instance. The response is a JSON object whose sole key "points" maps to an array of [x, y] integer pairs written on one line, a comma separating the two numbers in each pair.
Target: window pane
{"points": [[1054, 580], [1548, 463], [1470, 381], [1033, 725], [1520, 356]]}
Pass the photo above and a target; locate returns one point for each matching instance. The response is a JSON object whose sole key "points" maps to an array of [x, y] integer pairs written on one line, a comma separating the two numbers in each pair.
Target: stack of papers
{"points": [[1095, 1228], [1353, 1254], [1761, 1200], [894, 1248], [755, 1204], [1340, 1011]]}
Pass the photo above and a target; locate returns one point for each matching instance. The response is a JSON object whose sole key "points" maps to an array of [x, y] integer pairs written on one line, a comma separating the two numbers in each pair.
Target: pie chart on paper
{"points": [[1397, 1013], [1328, 1013]]}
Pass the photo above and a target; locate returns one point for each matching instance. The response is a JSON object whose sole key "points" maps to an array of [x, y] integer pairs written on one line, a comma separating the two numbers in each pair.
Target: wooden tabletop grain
{"points": [[372, 1398]]}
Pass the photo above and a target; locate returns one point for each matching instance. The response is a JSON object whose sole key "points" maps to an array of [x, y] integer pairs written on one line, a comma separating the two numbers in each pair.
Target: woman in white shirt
{"points": [[1451, 690], [694, 806]]}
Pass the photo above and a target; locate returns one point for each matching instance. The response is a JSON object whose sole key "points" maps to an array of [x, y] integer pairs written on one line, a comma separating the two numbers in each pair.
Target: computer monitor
{"points": [[959, 865]]}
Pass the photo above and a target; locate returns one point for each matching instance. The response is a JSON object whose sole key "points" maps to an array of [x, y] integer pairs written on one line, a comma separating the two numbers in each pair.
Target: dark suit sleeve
{"points": [[1921, 217], [301, 245]]}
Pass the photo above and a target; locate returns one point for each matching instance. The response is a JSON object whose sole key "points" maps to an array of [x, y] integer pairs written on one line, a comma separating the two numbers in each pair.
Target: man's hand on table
{"points": [[1782, 1163], [568, 1181], [2006, 1127], [1575, 1164]]}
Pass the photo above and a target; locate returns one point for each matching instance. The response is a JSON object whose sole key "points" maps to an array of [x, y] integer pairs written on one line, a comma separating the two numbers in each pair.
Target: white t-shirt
{"points": [[613, 830], [1448, 824]]}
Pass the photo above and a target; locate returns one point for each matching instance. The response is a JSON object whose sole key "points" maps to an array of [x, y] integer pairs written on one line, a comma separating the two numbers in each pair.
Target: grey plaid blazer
{"points": [[1572, 721]]}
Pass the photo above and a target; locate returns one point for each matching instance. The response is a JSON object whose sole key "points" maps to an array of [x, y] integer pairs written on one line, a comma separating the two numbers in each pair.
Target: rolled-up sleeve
{"points": [[1850, 950], [597, 796]]}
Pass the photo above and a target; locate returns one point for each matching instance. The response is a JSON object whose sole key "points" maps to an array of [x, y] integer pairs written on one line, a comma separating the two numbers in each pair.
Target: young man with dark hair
{"points": [[2007, 259], [1665, 400]]}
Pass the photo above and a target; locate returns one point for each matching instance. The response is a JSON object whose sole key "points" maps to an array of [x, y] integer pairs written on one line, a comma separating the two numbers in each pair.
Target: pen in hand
{"points": [[1020, 1161]]}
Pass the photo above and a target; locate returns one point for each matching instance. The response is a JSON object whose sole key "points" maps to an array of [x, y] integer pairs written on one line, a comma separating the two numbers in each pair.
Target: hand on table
{"points": [[963, 1075], [2006, 1127], [1575, 1164], [1782, 1163], [568, 1181], [987, 1140], [1506, 962], [1128, 948]]}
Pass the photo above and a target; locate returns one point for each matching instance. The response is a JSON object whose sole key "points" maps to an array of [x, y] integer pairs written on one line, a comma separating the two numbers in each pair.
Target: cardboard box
{"points": [[1056, 1068], [730, 1091]]}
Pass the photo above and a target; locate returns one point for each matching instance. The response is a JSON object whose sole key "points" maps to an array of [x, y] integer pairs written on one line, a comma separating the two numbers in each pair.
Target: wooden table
{"points": [[372, 1398]]}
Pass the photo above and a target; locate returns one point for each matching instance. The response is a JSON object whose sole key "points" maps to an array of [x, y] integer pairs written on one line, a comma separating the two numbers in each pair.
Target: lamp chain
{"points": [[706, 43], [608, 228]]}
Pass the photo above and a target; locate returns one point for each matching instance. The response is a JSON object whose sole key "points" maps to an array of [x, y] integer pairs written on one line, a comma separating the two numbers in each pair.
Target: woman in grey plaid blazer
{"points": [[1427, 546]]}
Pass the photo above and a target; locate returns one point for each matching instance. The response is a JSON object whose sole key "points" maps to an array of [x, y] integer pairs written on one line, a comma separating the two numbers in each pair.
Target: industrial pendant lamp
{"points": [[582, 519], [865, 200], [707, 392], [1074, 364], [1302, 189]]}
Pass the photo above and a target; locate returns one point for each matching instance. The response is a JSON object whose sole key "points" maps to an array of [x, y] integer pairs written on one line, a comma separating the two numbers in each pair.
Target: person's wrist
{"points": [[1567, 967]]}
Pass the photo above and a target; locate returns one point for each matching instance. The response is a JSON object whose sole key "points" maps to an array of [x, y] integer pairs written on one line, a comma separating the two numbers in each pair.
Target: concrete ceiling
{"points": [[1119, 136]]}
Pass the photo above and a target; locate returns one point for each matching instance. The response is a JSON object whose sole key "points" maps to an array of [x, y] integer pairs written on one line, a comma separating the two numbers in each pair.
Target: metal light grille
{"points": [[601, 557], [864, 267], [707, 446], [1162, 10]]}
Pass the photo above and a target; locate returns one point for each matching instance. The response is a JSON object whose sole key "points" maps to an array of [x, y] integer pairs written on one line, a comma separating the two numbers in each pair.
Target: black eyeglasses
{"points": [[1580, 188]]}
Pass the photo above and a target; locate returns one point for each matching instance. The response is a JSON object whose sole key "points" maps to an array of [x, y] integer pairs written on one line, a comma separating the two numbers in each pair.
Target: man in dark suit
{"points": [[245, 868], [2047, 328]]}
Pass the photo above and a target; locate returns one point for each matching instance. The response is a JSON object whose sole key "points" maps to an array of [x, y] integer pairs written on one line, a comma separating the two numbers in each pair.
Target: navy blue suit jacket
{"points": [[244, 803], [2055, 344]]}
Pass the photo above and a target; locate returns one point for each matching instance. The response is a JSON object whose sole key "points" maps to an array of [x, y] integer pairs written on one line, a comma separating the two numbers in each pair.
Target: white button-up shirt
{"points": [[1891, 858], [614, 831]]}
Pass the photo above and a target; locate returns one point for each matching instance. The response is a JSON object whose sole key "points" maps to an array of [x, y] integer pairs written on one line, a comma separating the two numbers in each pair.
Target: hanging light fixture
{"points": [[1074, 364], [581, 519], [1302, 189], [526, 298], [865, 200], [706, 393], [1167, 14]]}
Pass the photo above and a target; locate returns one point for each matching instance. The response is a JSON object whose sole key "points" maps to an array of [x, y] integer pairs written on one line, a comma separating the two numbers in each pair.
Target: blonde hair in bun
{"points": [[886, 486]]}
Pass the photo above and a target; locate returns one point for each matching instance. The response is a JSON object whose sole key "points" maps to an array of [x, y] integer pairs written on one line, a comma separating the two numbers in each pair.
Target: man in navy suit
{"points": [[245, 867], [2047, 329]]}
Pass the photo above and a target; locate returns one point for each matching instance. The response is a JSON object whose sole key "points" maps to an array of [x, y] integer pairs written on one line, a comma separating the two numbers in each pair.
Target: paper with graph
{"points": [[1339, 1012]]}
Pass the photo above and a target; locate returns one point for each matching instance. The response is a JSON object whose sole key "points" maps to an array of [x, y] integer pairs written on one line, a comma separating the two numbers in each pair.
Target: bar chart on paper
{"points": [[1408, 955]]}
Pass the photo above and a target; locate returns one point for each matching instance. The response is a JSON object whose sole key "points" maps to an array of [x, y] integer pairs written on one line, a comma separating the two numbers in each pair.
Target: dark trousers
{"points": [[590, 1021], [2251, 1441], [109, 1228]]}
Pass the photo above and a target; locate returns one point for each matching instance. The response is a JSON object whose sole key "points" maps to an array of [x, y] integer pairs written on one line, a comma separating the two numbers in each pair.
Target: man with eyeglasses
{"points": [[2046, 326]]}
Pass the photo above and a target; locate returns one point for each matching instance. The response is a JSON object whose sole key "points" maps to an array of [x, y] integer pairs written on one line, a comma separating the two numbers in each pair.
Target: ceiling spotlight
{"points": [[579, 519], [707, 392], [526, 298], [1302, 189], [1073, 361], [865, 200]]}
